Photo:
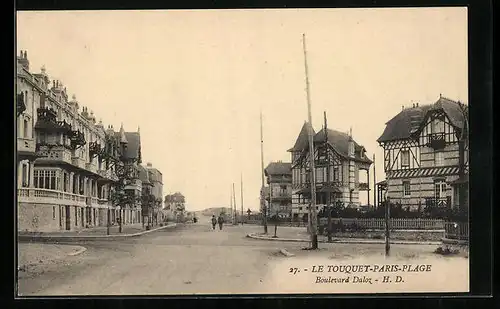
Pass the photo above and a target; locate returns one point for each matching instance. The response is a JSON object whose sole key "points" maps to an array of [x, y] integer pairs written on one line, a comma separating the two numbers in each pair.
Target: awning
{"points": [[426, 172]]}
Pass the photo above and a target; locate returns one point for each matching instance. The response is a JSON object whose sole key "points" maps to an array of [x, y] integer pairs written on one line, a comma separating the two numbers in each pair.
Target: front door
{"points": [[68, 218]]}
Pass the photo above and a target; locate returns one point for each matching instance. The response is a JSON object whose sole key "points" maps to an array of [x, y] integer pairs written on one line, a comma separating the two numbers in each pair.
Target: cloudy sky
{"points": [[194, 81]]}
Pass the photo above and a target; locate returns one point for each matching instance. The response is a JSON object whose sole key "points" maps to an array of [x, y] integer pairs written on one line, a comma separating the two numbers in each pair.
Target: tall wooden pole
{"points": [[231, 203], [235, 211], [374, 184], [387, 226], [262, 197], [329, 196], [313, 217], [241, 195]]}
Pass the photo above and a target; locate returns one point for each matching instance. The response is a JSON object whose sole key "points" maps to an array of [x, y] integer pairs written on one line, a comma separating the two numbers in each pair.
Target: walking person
{"points": [[220, 220], [214, 222]]}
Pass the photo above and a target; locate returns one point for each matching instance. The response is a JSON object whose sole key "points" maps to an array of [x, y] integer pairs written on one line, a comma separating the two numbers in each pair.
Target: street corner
{"points": [[33, 257]]}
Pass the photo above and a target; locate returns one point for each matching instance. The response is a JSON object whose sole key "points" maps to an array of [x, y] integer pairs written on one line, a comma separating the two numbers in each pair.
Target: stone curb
{"points": [[347, 241], [87, 237], [82, 250]]}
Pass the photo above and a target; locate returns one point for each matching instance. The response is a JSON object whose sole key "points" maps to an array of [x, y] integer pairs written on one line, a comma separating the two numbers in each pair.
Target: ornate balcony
{"points": [[47, 114], [77, 139], [52, 152], [363, 186], [95, 149], [91, 166], [78, 162]]}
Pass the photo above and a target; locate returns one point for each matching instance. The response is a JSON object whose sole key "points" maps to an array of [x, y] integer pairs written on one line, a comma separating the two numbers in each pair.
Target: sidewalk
{"points": [[31, 255], [296, 234], [129, 230]]}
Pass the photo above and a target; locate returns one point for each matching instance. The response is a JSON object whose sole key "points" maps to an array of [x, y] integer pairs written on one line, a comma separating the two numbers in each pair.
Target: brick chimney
{"points": [[23, 60]]}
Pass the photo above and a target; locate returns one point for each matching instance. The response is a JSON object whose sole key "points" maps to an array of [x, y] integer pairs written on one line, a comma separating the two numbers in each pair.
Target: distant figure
{"points": [[220, 220], [214, 222]]}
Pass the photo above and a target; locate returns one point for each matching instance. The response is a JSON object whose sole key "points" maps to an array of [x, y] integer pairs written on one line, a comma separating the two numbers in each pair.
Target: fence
{"points": [[457, 230], [371, 223]]}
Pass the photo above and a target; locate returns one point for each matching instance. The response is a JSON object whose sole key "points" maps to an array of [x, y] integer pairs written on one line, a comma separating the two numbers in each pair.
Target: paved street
{"points": [[189, 259]]}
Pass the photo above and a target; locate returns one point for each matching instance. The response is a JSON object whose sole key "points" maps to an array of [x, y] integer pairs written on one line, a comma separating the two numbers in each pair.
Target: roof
{"points": [[340, 142], [278, 168], [302, 139], [144, 175], [133, 150], [408, 120]]}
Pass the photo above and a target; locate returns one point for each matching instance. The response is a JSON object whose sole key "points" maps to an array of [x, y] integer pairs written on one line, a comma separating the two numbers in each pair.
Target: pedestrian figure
{"points": [[214, 222], [220, 221]]}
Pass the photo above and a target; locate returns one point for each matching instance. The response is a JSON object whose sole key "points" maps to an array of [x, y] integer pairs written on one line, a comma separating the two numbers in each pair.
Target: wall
{"points": [[37, 217]]}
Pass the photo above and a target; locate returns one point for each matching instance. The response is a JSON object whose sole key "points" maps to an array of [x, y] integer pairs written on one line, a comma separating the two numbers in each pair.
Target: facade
{"points": [[156, 178], [278, 193], [338, 162], [175, 205], [67, 162], [422, 157]]}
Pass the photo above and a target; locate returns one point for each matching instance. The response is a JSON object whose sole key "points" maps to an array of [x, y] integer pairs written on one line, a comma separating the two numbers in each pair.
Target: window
{"points": [[24, 175], [25, 135], [336, 174], [440, 189], [438, 158], [46, 179], [406, 188], [387, 160], [76, 216], [53, 213], [405, 158]]}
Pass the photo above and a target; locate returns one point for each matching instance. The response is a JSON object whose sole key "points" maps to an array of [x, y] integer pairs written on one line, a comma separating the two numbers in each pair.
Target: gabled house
{"points": [[338, 162], [421, 154]]}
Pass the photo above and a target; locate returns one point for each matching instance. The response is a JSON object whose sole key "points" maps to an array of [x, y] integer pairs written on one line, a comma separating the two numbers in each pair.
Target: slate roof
{"points": [[144, 175], [133, 146], [302, 139], [278, 168], [409, 120], [338, 140]]}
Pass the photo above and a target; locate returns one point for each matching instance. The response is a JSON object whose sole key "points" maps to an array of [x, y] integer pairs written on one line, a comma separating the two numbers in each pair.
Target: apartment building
{"points": [[278, 193]]}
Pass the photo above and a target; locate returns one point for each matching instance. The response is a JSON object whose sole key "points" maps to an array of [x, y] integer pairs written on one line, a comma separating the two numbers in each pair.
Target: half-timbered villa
{"points": [[421, 154], [338, 162]]}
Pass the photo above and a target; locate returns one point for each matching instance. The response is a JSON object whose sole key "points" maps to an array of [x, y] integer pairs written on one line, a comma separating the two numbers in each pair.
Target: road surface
{"points": [[189, 259]]}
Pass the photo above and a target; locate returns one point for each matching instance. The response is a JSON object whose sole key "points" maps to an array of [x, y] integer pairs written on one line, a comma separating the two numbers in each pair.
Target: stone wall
{"points": [[38, 217]]}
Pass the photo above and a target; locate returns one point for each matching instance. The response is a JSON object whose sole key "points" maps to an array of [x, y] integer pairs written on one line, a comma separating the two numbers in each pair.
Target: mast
{"points": [[262, 197], [241, 194], [313, 217], [329, 193], [374, 185], [234, 199]]}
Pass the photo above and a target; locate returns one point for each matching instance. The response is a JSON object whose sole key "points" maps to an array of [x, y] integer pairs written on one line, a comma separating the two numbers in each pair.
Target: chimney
{"points": [[402, 107], [417, 104]]}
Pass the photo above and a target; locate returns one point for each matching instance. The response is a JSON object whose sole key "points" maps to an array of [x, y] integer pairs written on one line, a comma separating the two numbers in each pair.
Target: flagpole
{"points": [[313, 217]]}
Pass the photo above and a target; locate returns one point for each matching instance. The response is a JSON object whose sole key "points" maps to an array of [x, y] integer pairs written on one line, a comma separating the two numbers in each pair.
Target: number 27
{"points": [[294, 270]]}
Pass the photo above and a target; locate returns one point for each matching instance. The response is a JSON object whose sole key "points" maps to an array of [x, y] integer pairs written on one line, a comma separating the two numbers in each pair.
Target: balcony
{"points": [[91, 166], [436, 141], [47, 114], [78, 162], [36, 195], [54, 153], [25, 145]]}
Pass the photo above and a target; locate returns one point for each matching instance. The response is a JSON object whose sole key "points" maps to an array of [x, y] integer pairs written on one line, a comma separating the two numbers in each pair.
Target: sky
{"points": [[194, 82]]}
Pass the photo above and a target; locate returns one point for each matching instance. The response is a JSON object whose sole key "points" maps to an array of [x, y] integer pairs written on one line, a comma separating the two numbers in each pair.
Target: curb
{"points": [[347, 241], [286, 253], [82, 250], [88, 237]]}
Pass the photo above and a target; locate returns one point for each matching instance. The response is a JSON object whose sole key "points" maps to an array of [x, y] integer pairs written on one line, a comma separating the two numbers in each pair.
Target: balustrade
{"points": [[36, 195]]}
